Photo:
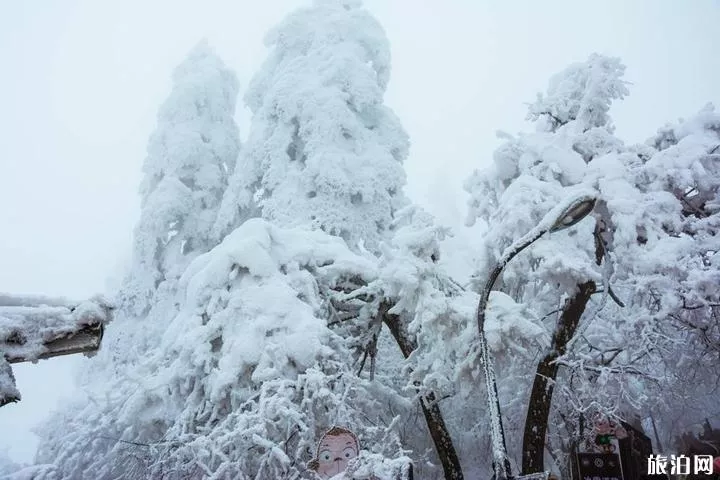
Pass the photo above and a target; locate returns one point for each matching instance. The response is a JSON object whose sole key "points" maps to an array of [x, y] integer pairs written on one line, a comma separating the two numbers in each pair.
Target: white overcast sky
{"points": [[81, 81]]}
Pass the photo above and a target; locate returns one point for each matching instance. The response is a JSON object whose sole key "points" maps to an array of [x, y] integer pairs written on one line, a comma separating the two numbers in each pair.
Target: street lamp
{"points": [[564, 215]]}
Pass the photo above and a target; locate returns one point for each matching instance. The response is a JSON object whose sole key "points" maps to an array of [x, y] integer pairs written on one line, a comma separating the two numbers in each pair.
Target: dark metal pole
{"points": [[501, 461], [569, 215]]}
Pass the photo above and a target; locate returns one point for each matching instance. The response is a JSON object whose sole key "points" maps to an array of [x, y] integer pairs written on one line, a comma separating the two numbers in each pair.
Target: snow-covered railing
{"points": [[35, 327]]}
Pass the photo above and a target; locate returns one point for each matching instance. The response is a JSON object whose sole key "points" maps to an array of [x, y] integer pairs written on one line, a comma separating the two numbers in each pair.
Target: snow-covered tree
{"points": [[325, 153], [189, 159], [250, 364], [302, 290], [190, 156], [606, 290], [681, 271], [323, 150], [530, 175], [257, 349], [247, 375]]}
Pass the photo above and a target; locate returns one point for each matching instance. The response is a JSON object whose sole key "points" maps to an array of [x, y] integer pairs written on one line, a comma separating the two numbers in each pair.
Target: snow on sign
{"points": [[35, 327]]}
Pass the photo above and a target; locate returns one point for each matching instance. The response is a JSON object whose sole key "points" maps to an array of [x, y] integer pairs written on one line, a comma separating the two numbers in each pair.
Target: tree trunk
{"points": [[541, 395], [538, 413], [542, 389], [431, 410]]}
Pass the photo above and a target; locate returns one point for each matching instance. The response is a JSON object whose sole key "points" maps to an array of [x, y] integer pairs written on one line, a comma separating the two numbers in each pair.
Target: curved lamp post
{"points": [[563, 216]]}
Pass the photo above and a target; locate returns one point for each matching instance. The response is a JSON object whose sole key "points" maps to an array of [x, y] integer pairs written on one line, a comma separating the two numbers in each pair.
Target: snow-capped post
{"points": [[35, 327], [564, 215]]}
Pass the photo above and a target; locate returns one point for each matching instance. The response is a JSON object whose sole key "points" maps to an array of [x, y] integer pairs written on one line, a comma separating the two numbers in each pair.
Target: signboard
{"points": [[599, 466], [334, 451], [635, 449], [603, 437]]}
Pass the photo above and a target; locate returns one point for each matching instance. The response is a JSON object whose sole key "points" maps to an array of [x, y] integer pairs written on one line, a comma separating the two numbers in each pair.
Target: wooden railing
{"points": [[86, 339], [33, 327]]}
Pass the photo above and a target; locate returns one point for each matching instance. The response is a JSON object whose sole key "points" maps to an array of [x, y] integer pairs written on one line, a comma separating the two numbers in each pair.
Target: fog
{"points": [[82, 80]]}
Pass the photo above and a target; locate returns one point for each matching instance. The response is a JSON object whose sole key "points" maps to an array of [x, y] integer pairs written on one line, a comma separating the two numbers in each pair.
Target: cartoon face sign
{"points": [[336, 448], [606, 427], [604, 436]]}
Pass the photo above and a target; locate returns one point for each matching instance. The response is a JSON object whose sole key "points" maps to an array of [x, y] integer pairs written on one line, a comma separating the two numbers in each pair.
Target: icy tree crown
{"points": [[190, 153], [324, 152], [583, 92]]}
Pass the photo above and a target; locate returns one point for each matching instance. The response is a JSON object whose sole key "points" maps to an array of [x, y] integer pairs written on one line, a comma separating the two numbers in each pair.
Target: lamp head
{"points": [[574, 213]]}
